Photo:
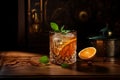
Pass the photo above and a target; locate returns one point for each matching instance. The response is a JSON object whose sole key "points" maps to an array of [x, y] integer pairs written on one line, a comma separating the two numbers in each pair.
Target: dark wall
{"points": [[97, 13], [8, 24]]}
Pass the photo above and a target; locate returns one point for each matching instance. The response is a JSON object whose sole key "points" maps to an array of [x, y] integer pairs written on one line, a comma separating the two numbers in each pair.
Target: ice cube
{"points": [[57, 35], [57, 39], [70, 35]]}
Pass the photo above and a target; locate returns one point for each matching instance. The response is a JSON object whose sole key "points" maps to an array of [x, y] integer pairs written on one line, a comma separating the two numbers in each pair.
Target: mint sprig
{"points": [[44, 59], [56, 28], [64, 65]]}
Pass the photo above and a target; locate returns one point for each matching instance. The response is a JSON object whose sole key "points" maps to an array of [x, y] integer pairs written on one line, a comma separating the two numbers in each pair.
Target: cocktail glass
{"points": [[63, 47]]}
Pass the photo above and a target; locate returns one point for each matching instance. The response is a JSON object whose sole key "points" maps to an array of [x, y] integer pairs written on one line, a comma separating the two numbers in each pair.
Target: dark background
{"points": [[99, 13], [8, 24]]}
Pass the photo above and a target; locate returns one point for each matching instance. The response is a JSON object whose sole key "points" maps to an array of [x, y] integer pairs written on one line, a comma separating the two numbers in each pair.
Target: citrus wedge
{"points": [[68, 48], [87, 53]]}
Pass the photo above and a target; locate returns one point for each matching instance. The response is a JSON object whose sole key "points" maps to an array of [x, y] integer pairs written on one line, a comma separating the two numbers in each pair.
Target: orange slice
{"points": [[67, 50], [87, 53]]}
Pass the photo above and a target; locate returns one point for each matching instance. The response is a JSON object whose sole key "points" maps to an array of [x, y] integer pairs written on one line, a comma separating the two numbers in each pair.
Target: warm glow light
{"points": [[109, 33]]}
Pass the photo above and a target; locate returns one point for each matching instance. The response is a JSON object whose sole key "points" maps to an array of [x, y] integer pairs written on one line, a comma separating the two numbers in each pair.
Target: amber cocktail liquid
{"points": [[63, 47]]}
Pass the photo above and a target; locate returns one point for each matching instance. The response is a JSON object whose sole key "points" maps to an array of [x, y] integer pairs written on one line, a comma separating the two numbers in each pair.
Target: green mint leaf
{"points": [[64, 65], [67, 31], [63, 31], [44, 59], [54, 26], [62, 28]]}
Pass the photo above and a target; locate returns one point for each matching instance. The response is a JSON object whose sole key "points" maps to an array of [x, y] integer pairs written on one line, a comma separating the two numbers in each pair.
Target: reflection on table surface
{"points": [[16, 63]]}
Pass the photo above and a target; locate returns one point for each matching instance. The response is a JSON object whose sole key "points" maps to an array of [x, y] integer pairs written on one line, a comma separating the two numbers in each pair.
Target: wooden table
{"points": [[18, 64]]}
